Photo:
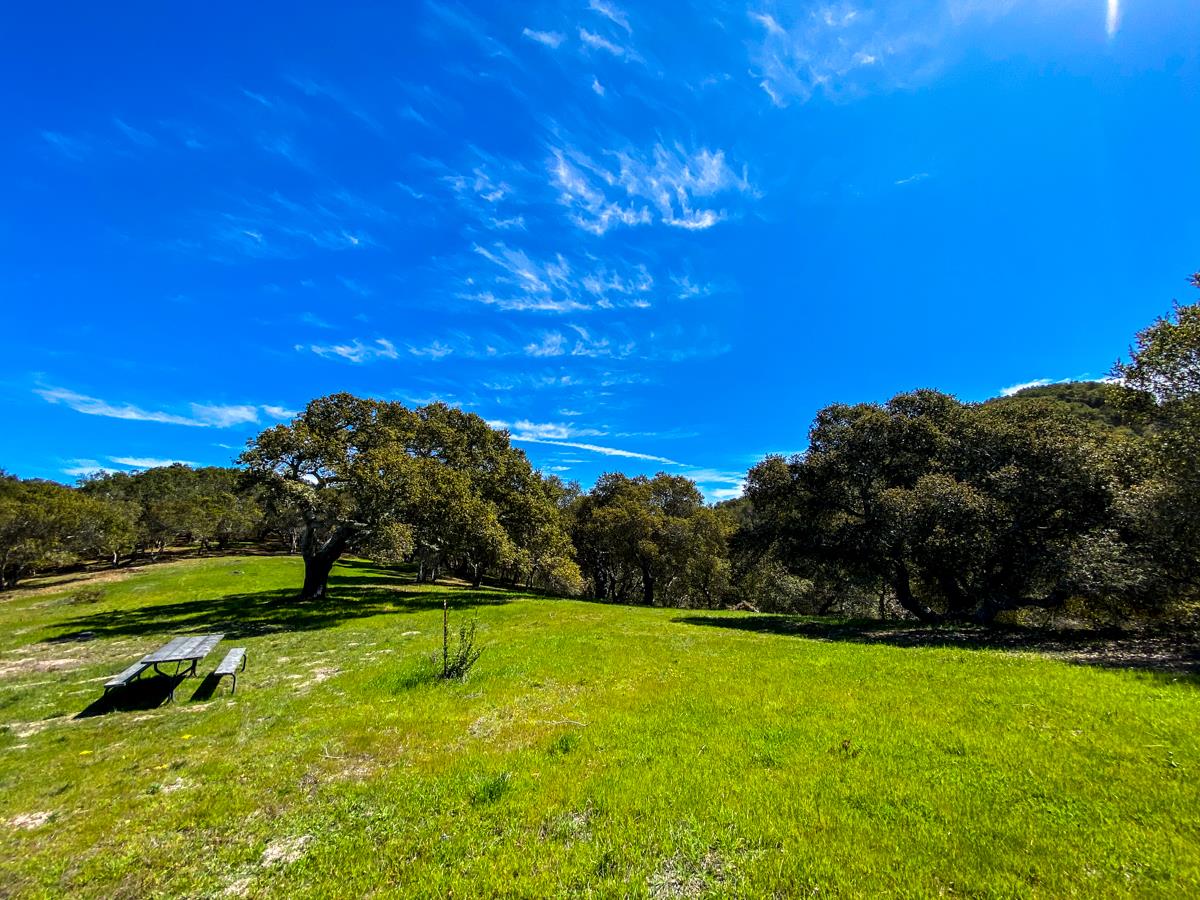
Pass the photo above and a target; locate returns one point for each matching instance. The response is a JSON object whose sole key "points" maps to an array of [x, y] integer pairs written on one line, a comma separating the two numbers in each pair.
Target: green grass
{"points": [[593, 749]]}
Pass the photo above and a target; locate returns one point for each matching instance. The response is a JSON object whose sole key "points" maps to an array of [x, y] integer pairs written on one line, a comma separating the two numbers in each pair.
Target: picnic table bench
{"points": [[125, 677], [229, 666], [185, 652]]}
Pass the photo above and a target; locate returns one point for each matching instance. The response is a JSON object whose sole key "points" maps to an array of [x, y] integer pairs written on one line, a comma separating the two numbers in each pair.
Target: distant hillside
{"points": [[1093, 401]]}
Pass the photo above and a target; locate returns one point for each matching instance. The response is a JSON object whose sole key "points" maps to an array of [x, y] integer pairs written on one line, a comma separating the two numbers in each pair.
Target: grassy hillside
{"points": [[627, 751]]}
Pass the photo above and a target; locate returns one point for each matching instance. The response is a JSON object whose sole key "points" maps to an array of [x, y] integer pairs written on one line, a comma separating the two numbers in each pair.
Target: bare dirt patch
{"points": [[238, 888], [319, 674], [285, 851], [56, 656], [30, 665], [30, 820], [29, 729], [681, 877], [52, 584]]}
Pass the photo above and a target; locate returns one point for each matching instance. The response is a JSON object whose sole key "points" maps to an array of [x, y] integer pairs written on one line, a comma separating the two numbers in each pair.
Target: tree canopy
{"points": [[377, 477]]}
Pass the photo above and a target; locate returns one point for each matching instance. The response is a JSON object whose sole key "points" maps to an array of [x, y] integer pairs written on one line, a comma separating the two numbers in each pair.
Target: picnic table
{"points": [[185, 652]]}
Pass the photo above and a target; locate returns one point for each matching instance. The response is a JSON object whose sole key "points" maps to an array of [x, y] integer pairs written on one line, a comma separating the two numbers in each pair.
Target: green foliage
{"points": [[962, 512], [652, 539], [1164, 509], [44, 525], [86, 596], [489, 789], [460, 657], [158, 507], [434, 483], [1092, 402]]}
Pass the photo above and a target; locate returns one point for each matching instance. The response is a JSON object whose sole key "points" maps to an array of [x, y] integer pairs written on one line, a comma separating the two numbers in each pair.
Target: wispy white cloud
{"points": [[843, 49], [280, 412], [594, 448], [279, 227], [1016, 388], [830, 48], [284, 146], [612, 289], [688, 289], [555, 431], [555, 343], [492, 190], [223, 416], [1112, 18], [599, 42], [519, 282], [147, 462], [275, 226], [258, 98], [356, 351], [528, 381], [597, 87], [435, 350], [322, 90], [671, 183], [590, 207], [724, 493], [203, 415], [81, 468], [355, 287], [552, 344], [479, 184], [470, 26], [135, 135], [551, 39], [314, 320], [526, 303], [75, 148], [912, 179], [767, 21], [612, 12]]}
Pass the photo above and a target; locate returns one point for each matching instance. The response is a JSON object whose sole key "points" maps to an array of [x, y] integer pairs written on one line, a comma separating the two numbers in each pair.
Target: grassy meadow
{"points": [[594, 750]]}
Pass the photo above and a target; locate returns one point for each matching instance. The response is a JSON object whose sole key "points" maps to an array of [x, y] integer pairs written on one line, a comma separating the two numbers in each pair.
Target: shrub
{"points": [[458, 659], [87, 595]]}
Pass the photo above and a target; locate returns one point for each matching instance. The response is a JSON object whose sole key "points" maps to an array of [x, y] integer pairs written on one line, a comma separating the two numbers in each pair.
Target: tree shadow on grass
{"points": [[266, 612], [1173, 655]]}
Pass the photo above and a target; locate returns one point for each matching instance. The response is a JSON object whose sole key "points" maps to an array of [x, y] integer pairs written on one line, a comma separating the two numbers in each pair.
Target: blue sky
{"points": [[643, 236]]}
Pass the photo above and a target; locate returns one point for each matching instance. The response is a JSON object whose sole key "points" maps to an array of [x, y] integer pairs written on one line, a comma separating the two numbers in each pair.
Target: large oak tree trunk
{"points": [[647, 586], [318, 563], [316, 576], [904, 596]]}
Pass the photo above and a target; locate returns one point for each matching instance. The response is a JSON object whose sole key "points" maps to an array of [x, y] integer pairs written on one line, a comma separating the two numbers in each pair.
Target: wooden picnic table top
{"points": [[181, 649]]}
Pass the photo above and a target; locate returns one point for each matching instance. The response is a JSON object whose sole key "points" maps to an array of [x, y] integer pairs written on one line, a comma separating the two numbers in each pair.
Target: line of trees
{"points": [[117, 516], [1080, 498]]}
